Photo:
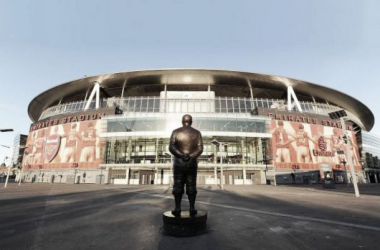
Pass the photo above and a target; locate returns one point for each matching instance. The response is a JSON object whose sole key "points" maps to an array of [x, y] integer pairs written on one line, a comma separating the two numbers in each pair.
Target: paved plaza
{"points": [[61, 216]]}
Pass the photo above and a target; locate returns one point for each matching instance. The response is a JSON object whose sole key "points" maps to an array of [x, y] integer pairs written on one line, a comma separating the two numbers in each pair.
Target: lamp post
{"points": [[6, 157], [340, 114], [345, 172], [9, 168]]}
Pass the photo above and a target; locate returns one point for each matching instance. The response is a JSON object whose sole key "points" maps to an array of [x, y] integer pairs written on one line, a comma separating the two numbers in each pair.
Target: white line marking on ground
{"points": [[332, 222]]}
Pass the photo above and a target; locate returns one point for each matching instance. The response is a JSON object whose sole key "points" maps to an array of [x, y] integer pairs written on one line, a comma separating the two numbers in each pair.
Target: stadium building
{"points": [[257, 129]]}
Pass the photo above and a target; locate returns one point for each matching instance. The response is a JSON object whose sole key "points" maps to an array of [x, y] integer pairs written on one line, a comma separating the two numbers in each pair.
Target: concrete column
{"points": [[243, 152], [262, 177], [244, 176], [155, 175], [215, 176], [166, 98], [129, 148], [127, 175], [250, 151], [376, 180], [157, 143], [215, 155]]}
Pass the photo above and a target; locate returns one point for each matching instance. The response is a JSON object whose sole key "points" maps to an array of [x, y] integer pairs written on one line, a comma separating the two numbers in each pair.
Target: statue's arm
{"points": [[199, 149], [172, 148]]}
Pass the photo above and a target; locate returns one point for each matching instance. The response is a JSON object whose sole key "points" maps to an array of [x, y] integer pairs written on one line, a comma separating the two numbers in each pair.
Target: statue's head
{"points": [[187, 120]]}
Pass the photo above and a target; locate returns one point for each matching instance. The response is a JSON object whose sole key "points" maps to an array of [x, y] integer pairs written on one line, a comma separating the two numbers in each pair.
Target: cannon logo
{"points": [[52, 145], [322, 145]]}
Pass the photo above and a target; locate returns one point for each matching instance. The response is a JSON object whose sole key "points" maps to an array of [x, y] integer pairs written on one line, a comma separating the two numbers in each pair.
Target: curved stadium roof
{"points": [[223, 82]]}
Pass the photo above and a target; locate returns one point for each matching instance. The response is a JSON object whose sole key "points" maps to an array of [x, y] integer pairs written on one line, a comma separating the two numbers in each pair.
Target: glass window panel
{"points": [[248, 105], [138, 105], [223, 106], [217, 105], [151, 105], [144, 104], [156, 104], [230, 106], [243, 108]]}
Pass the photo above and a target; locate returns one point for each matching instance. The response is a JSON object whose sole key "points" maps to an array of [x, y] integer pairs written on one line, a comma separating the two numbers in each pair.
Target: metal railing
{"points": [[167, 105]]}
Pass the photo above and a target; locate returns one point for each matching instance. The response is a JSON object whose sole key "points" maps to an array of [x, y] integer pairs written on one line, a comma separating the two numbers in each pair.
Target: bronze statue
{"points": [[186, 145]]}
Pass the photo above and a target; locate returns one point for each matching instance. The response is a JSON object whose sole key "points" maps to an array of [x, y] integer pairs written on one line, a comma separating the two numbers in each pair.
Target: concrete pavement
{"points": [[60, 216]]}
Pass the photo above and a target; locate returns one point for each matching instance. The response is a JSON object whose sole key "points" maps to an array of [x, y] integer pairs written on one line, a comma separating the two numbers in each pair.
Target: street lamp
{"points": [[340, 114], [6, 130], [345, 171]]}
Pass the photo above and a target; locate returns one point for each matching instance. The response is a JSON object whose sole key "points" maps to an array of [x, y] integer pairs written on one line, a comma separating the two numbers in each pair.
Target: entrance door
{"points": [[146, 177], [230, 179]]}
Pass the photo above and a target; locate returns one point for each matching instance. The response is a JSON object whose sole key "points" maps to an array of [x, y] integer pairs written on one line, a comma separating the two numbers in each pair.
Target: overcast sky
{"points": [[46, 43]]}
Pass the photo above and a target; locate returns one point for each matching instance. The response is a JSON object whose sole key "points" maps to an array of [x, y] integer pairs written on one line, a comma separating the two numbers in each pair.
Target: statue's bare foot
{"points": [[176, 212], [193, 211]]}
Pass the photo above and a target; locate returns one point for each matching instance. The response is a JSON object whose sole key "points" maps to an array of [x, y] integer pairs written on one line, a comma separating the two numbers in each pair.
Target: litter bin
{"points": [[99, 180], [329, 181], [70, 179]]}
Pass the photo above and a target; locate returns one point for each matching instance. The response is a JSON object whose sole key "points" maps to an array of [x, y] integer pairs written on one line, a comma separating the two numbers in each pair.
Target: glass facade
{"points": [[371, 156], [18, 149], [133, 146], [145, 139], [371, 143]]}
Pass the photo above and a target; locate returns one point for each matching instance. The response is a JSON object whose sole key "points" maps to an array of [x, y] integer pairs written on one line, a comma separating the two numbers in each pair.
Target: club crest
{"points": [[52, 145]]}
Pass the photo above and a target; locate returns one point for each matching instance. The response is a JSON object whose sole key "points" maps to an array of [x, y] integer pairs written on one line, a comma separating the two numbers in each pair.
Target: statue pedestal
{"points": [[185, 225]]}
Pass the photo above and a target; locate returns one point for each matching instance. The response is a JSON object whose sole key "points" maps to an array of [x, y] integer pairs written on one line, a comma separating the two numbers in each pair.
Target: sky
{"points": [[46, 43]]}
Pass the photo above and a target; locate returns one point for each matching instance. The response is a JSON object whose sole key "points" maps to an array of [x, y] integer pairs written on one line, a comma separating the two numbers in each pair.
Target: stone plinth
{"points": [[185, 225]]}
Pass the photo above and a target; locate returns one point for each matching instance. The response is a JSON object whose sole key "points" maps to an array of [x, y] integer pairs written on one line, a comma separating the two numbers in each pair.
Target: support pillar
{"points": [[244, 176], [127, 175], [243, 152], [157, 143], [215, 176], [215, 154], [95, 92], [155, 176], [130, 149], [291, 94], [376, 180]]}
